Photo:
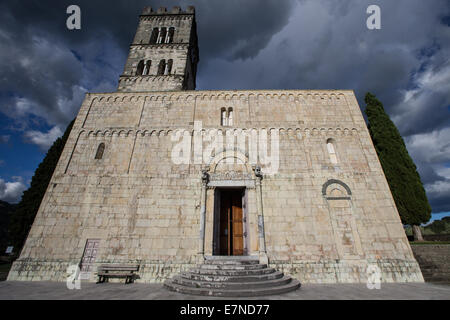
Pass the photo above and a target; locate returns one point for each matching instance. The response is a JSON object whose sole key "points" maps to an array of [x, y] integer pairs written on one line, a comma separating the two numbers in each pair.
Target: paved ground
{"points": [[55, 290]]}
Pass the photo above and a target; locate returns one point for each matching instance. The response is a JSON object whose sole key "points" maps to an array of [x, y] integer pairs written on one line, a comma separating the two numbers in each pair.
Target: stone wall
{"points": [[436, 237], [324, 221], [434, 261], [183, 51]]}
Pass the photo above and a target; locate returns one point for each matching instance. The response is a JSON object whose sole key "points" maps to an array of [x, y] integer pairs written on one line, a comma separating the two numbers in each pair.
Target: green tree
{"points": [[400, 170], [6, 212], [438, 226], [26, 210]]}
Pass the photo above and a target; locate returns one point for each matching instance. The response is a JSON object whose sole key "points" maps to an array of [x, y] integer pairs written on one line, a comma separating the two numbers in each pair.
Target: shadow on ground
{"points": [[12, 290]]}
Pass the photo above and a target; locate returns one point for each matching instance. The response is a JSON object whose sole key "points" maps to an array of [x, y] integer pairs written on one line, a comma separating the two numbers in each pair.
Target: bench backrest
{"points": [[118, 267]]}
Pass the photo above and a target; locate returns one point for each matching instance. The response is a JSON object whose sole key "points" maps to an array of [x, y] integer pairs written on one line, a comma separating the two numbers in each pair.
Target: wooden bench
{"points": [[127, 271]]}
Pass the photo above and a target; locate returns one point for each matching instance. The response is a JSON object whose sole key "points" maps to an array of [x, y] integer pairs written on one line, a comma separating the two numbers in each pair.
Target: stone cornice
{"points": [[325, 97], [290, 131], [177, 45]]}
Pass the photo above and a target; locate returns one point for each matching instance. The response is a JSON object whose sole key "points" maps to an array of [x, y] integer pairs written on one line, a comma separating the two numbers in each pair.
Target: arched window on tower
{"points": [[223, 114], [100, 150], [162, 35], [147, 66], [140, 68], [154, 36], [161, 67], [168, 68], [170, 35], [332, 151], [230, 116], [226, 117]]}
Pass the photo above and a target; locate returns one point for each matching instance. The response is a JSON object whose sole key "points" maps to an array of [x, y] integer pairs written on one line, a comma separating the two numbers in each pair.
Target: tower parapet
{"points": [[163, 11]]}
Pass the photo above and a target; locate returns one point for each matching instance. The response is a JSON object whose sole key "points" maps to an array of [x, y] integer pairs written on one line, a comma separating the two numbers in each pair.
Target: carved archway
{"points": [[336, 189]]}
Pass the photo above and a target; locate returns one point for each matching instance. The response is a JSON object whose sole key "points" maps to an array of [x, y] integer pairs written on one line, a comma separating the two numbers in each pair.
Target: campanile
{"points": [[164, 53]]}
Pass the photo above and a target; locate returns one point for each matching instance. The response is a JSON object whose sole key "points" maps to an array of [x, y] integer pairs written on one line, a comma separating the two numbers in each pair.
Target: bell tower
{"points": [[164, 53]]}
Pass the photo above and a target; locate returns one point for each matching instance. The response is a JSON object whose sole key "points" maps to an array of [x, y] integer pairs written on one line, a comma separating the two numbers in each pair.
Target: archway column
{"points": [[259, 203], [201, 251]]}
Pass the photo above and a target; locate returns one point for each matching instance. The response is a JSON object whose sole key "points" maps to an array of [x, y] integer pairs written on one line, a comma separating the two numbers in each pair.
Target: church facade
{"points": [[161, 175]]}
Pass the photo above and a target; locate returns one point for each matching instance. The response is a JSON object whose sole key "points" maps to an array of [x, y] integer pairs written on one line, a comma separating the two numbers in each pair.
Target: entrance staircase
{"points": [[232, 277]]}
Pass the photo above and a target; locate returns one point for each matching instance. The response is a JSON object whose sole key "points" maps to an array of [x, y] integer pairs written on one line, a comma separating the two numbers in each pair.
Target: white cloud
{"points": [[43, 140], [427, 103], [439, 189], [12, 191], [432, 147], [439, 192], [4, 138], [22, 107], [431, 153], [53, 91]]}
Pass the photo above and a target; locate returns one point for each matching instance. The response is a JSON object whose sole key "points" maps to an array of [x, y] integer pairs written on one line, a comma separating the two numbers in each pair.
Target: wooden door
{"points": [[237, 224], [224, 224], [231, 223]]}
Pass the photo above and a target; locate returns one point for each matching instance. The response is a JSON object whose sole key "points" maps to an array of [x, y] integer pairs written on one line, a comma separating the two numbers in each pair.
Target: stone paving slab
{"points": [[14, 290]]}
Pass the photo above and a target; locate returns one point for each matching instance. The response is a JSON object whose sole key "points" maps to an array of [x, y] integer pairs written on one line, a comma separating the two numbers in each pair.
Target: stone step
{"points": [[232, 266], [437, 279], [228, 261], [434, 261], [231, 285], [443, 271], [232, 277], [244, 278], [436, 272], [242, 292], [232, 272], [440, 274], [428, 270]]}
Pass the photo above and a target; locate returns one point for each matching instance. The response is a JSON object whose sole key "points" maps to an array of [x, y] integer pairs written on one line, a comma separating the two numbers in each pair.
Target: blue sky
{"points": [[258, 44]]}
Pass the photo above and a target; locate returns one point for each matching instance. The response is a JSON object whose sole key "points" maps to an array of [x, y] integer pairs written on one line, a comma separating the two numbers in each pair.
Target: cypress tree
{"points": [[399, 169], [26, 210]]}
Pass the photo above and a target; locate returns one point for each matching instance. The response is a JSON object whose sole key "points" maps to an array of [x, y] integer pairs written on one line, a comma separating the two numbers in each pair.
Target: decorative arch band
{"points": [[333, 181]]}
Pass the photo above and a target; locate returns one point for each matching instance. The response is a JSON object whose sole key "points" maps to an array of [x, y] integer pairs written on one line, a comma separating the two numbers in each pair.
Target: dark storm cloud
{"points": [[326, 45], [236, 29], [242, 27], [46, 68], [244, 44]]}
